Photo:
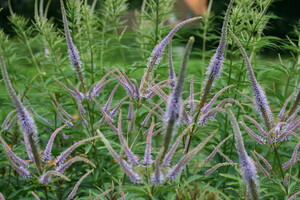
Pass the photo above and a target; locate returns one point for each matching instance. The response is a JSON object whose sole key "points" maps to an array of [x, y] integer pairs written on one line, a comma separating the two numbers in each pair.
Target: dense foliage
{"points": [[85, 115]]}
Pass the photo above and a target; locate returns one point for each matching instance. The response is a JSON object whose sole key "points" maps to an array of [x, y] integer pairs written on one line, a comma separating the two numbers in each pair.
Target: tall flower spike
{"points": [[72, 50], [261, 101], [215, 65], [246, 163], [26, 122], [173, 111], [75, 188], [157, 53]]}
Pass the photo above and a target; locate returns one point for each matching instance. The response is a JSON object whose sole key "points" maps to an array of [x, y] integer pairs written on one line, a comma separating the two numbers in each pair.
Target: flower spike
{"points": [[246, 163], [261, 101], [157, 53], [72, 50]]}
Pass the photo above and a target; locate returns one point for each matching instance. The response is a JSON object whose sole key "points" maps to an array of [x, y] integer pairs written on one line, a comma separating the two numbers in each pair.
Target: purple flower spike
{"points": [[216, 62], [5, 124], [62, 157], [110, 98], [157, 177], [26, 122], [246, 163], [147, 157], [62, 168], [167, 159], [72, 50], [75, 188], [261, 101], [293, 159], [12, 155], [177, 169], [45, 178], [48, 149], [130, 155], [157, 53], [20, 170]]}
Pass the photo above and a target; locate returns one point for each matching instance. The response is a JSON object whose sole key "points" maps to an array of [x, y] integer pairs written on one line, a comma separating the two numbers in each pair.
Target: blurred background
{"points": [[286, 10]]}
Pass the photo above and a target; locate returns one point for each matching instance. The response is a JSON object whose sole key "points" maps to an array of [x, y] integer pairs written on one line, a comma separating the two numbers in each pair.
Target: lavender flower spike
{"points": [[246, 163], [177, 169], [72, 50], [75, 188], [47, 152], [62, 168], [167, 159], [261, 102], [147, 156], [13, 156], [157, 53], [26, 122], [215, 65], [20, 170], [62, 157], [45, 178], [173, 111]]}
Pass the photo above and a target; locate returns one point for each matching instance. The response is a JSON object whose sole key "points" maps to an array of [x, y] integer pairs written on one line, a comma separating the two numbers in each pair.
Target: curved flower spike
{"points": [[157, 53], [75, 188], [261, 101], [26, 121]]}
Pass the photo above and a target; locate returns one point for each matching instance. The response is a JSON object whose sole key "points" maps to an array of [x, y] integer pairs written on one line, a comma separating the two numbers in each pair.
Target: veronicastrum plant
{"points": [[128, 132]]}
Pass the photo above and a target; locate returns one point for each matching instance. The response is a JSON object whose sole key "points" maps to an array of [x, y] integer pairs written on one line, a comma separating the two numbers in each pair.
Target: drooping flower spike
{"points": [[62, 168], [274, 132], [46, 177], [63, 156], [75, 188], [261, 101], [157, 53], [177, 168], [26, 121], [47, 153], [12, 155], [127, 168]]}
